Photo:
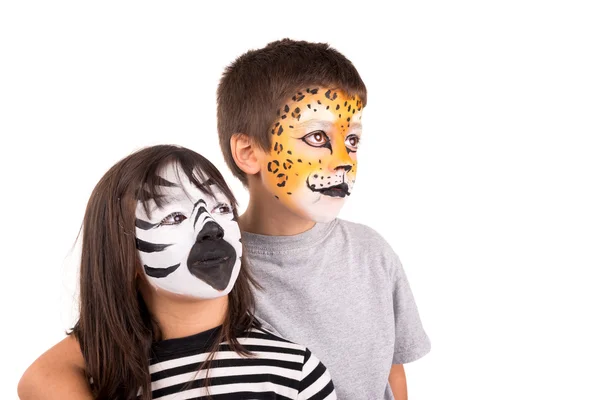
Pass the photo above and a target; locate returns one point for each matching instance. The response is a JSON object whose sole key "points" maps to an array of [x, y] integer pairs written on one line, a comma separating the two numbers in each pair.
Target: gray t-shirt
{"points": [[340, 290]]}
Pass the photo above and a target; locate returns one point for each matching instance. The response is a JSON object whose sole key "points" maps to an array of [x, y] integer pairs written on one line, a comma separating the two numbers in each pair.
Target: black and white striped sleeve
{"points": [[316, 382]]}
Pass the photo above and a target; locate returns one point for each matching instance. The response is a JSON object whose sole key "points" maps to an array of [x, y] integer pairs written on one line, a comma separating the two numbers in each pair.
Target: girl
{"points": [[166, 303]]}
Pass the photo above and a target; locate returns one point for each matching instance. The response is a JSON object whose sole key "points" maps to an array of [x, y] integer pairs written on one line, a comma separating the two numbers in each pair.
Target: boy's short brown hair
{"points": [[257, 83]]}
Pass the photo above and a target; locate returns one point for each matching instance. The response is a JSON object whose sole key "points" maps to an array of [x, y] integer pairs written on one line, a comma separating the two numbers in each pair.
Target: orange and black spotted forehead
{"points": [[292, 112]]}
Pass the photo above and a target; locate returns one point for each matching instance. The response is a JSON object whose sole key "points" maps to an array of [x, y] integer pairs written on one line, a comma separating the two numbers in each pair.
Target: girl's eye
{"points": [[316, 139], [173, 219], [222, 208], [352, 142]]}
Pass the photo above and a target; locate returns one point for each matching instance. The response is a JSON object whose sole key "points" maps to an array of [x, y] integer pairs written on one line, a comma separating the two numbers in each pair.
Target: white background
{"points": [[480, 162]]}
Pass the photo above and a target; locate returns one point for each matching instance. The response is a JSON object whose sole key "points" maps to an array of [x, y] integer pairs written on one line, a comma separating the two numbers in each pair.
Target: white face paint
{"points": [[191, 246]]}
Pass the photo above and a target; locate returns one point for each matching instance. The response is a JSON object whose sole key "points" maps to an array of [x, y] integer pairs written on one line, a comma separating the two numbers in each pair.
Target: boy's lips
{"points": [[340, 190]]}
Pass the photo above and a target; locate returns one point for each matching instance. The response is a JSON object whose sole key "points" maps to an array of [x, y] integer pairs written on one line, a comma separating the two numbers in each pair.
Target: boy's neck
{"points": [[265, 215]]}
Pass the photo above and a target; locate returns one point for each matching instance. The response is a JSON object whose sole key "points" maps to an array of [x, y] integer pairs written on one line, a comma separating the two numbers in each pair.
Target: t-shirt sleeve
{"points": [[316, 382], [412, 342]]}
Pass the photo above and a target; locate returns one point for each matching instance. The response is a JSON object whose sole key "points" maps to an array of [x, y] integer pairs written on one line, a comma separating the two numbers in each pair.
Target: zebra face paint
{"points": [[191, 246]]}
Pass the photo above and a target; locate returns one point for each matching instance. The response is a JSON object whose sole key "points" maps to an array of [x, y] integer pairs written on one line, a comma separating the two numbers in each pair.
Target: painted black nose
{"points": [[346, 168], [210, 231]]}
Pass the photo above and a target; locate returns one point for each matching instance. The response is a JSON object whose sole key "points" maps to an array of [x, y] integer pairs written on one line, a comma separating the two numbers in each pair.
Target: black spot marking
{"points": [[334, 96], [299, 160], [349, 107], [291, 126], [353, 110], [272, 131], [297, 110], [328, 94], [282, 184], [327, 108], [300, 98], [308, 105], [281, 175], [348, 119], [289, 152], [286, 108], [289, 192], [276, 124], [339, 116], [277, 197], [280, 131], [315, 91], [288, 164], [271, 169], [283, 116], [315, 176], [337, 107]]}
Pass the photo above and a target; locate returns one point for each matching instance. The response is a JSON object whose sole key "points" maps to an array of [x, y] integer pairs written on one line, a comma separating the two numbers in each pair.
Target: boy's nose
{"points": [[345, 167], [210, 231], [341, 159]]}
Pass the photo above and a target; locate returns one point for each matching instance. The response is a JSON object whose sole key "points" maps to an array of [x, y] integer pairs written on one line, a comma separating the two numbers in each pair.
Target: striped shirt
{"points": [[277, 369]]}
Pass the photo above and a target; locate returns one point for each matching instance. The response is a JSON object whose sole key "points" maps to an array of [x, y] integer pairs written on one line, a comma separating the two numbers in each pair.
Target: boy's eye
{"points": [[173, 219], [352, 142], [316, 139], [222, 208]]}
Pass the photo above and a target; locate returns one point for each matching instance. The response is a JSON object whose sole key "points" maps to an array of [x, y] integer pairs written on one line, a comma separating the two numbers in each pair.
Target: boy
{"points": [[289, 121]]}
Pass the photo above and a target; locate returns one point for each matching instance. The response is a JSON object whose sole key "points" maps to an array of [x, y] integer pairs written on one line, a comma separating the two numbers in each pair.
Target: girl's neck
{"points": [[180, 316]]}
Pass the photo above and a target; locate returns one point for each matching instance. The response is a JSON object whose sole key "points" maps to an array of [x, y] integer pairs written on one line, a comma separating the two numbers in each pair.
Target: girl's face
{"points": [[190, 246]]}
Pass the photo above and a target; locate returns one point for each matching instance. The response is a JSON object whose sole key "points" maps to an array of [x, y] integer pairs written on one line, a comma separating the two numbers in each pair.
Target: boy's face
{"points": [[311, 165]]}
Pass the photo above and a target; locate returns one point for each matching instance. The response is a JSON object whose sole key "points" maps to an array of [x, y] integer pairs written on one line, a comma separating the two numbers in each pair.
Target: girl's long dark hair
{"points": [[115, 329]]}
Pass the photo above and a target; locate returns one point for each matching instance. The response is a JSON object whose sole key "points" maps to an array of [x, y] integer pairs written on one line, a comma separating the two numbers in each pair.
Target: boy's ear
{"points": [[245, 153]]}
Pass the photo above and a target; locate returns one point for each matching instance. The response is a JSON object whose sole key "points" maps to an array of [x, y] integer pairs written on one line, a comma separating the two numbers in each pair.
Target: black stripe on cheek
{"points": [[147, 247], [160, 272], [145, 225]]}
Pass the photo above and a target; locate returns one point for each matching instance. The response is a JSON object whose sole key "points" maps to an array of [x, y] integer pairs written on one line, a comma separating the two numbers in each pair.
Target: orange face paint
{"points": [[311, 165]]}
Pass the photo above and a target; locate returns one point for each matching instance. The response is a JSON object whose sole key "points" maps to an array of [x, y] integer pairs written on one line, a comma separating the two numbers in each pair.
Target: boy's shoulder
{"points": [[365, 235]]}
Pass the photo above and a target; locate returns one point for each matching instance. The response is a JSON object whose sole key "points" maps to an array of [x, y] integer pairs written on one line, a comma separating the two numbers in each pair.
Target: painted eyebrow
{"points": [[167, 199], [316, 125], [355, 128]]}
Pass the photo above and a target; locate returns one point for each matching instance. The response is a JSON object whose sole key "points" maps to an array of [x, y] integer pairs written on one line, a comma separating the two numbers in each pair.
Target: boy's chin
{"points": [[326, 210]]}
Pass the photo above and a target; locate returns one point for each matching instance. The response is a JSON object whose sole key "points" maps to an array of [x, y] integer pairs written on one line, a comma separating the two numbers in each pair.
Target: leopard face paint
{"points": [[191, 245], [311, 166]]}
